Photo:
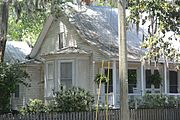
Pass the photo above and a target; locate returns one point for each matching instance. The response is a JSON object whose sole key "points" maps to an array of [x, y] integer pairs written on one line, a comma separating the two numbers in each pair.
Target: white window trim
{"points": [[151, 88], [46, 76], [135, 68], [59, 76], [168, 80]]}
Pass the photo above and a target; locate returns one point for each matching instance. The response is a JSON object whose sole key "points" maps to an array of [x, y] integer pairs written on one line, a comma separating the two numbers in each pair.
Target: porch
{"points": [[139, 82]]}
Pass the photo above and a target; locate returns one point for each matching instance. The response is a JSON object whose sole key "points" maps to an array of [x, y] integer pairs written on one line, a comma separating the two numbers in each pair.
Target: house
{"points": [[17, 51], [70, 50]]}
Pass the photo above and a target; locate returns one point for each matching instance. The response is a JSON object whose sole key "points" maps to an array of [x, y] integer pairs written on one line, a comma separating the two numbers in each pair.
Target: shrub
{"points": [[34, 106], [71, 100], [154, 101]]}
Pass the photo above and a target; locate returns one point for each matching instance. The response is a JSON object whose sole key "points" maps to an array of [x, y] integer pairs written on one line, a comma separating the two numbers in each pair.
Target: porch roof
{"points": [[16, 51]]}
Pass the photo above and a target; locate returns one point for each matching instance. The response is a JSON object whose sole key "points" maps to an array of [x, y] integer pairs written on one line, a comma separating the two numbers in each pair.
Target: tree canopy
{"points": [[26, 18], [162, 20]]}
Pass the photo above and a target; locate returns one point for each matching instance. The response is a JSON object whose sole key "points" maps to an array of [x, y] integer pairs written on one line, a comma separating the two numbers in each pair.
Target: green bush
{"points": [[71, 100], [154, 101], [11, 75], [34, 106]]}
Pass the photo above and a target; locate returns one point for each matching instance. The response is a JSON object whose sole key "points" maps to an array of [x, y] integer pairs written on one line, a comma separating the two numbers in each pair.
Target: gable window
{"points": [[61, 40], [66, 74], [110, 88], [132, 80], [50, 79], [173, 82]]}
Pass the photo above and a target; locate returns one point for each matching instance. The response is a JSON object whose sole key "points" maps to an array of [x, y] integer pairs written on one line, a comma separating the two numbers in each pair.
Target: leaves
{"points": [[10, 77], [72, 100], [26, 18], [161, 18]]}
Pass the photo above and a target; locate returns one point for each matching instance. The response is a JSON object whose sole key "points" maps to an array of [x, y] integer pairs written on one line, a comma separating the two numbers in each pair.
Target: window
{"points": [[66, 74], [132, 80], [61, 40], [110, 89], [16, 94], [148, 78], [173, 82], [148, 81], [50, 79]]}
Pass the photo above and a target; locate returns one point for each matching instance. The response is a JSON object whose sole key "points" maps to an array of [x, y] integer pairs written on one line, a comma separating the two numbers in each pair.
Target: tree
{"points": [[162, 20], [10, 76], [3, 26], [26, 18], [124, 109]]}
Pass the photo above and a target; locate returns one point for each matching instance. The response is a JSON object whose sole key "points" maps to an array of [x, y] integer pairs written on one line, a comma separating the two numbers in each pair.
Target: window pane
{"points": [[148, 75], [173, 83], [50, 88], [110, 88], [132, 80], [66, 70], [156, 72], [66, 74], [66, 82], [50, 71], [61, 39]]}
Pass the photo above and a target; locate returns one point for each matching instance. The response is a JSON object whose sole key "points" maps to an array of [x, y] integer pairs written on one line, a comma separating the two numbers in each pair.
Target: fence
{"points": [[135, 114]]}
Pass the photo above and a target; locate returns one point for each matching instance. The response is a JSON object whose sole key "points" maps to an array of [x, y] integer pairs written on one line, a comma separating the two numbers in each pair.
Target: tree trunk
{"points": [[3, 27], [124, 108]]}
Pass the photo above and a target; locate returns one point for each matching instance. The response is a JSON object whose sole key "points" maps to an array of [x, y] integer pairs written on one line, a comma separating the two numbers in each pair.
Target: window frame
{"points": [[151, 90], [105, 85], [61, 40], [59, 71], [169, 81], [136, 80], [46, 76]]}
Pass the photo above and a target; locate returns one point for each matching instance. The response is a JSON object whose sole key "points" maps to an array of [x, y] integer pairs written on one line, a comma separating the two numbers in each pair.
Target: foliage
{"points": [[101, 77], [162, 20], [154, 101], [34, 106], [72, 100], [156, 79], [26, 19], [10, 76]]}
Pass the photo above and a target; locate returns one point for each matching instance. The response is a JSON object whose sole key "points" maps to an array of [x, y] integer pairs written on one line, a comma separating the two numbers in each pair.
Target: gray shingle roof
{"points": [[99, 26], [16, 51]]}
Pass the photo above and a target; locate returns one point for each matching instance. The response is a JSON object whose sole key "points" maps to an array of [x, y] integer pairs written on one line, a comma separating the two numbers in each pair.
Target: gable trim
{"points": [[41, 37]]}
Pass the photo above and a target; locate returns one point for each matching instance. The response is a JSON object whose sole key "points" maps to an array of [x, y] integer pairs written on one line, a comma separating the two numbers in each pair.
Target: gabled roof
{"points": [[16, 51], [99, 27], [41, 36]]}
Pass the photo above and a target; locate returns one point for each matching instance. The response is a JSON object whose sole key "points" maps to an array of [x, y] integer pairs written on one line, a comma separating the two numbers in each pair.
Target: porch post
{"points": [[165, 79], [142, 79], [114, 83]]}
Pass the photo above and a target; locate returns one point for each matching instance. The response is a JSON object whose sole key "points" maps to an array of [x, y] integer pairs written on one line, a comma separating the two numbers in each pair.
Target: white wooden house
{"points": [[71, 49]]}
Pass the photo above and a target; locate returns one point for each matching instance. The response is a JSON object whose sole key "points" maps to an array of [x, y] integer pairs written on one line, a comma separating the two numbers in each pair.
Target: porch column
{"points": [[142, 79], [114, 83], [165, 79]]}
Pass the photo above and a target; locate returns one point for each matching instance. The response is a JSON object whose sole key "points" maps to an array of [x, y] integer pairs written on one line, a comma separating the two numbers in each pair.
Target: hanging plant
{"points": [[156, 79], [101, 77]]}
